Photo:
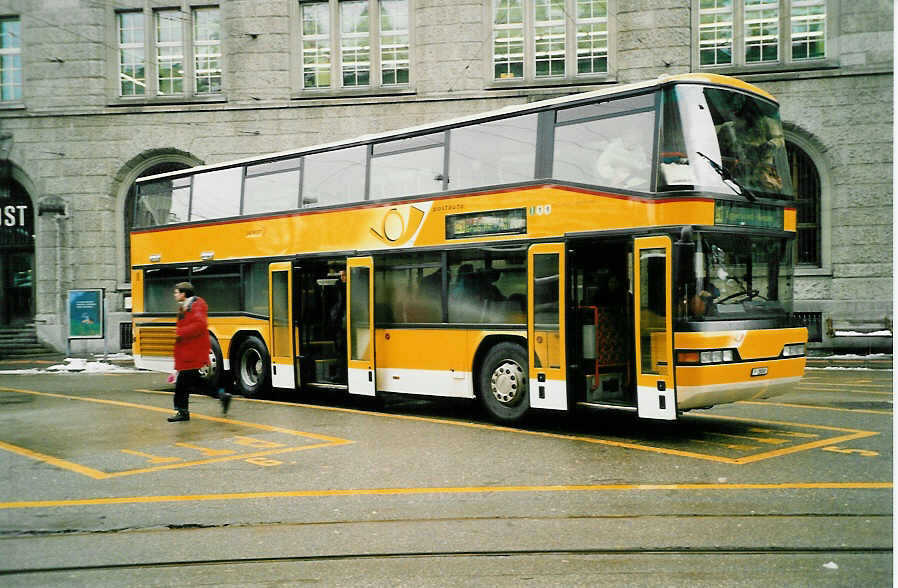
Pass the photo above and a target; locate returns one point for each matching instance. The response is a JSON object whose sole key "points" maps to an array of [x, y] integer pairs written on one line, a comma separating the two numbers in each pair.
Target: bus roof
{"points": [[699, 78]]}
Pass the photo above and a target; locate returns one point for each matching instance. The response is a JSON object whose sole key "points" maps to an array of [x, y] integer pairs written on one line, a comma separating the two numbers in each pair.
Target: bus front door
{"points": [[360, 326], [545, 326], [280, 325], [656, 396]]}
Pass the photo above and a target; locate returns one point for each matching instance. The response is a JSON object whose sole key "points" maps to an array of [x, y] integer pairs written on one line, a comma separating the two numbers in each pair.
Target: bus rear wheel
{"points": [[503, 382], [212, 374], [253, 367]]}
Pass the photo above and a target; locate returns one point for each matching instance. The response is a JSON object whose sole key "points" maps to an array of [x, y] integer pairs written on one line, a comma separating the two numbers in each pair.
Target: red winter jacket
{"points": [[192, 341]]}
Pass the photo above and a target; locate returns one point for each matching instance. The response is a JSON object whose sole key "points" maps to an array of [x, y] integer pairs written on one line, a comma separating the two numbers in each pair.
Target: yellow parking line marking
{"points": [[849, 434], [271, 428], [784, 433], [206, 450], [764, 440], [244, 456], [882, 386], [152, 458], [49, 459], [446, 490], [853, 390], [736, 446], [812, 407], [325, 440]]}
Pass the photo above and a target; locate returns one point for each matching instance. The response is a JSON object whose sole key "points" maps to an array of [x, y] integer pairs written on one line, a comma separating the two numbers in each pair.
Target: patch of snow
{"points": [[883, 333], [847, 369], [81, 365], [116, 356], [856, 356]]}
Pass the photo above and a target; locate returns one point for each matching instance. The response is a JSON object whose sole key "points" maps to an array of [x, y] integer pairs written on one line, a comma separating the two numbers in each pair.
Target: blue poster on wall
{"points": [[86, 314]]}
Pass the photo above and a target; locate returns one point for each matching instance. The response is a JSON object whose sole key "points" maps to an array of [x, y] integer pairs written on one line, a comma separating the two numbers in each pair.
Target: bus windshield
{"points": [[724, 141], [735, 277]]}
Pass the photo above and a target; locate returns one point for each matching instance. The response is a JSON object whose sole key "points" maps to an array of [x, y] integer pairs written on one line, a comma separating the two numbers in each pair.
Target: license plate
{"points": [[761, 371]]}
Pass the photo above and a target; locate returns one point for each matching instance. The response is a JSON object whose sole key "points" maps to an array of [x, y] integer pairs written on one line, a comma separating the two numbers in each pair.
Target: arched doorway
{"points": [[131, 198], [806, 180], [16, 254]]}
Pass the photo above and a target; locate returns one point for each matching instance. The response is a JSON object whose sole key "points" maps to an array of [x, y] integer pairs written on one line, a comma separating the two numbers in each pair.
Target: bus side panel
{"points": [[136, 291], [431, 362], [225, 328], [425, 361], [423, 224], [154, 347]]}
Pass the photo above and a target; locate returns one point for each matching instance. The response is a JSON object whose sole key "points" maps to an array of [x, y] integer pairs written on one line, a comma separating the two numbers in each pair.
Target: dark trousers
{"points": [[190, 382]]}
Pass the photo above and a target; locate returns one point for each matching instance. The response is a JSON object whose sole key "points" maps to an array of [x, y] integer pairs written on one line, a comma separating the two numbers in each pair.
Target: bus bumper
{"points": [[704, 386]]}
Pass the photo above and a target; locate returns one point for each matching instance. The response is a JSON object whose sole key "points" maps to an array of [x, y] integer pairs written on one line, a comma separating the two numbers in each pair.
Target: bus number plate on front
{"points": [[759, 371]]}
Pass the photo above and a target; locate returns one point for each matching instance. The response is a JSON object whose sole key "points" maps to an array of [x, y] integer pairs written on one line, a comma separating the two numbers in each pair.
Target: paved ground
{"points": [[99, 490]]}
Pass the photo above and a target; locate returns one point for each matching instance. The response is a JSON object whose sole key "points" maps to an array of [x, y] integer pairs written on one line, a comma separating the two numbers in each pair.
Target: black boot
{"points": [[181, 415], [225, 398]]}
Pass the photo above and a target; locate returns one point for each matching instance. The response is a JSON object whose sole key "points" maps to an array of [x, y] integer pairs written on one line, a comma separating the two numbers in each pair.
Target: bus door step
{"points": [[608, 405]]}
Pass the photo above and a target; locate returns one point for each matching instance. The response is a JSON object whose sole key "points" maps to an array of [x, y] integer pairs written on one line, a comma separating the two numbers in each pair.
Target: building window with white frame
{"points": [[207, 50], [10, 59], [351, 44], [169, 51], [172, 52], [750, 32], [355, 43], [394, 42], [549, 39], [132, 54]]}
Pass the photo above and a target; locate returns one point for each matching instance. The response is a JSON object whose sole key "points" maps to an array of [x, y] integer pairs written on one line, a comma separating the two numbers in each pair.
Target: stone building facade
{"points": [[96, 93]]}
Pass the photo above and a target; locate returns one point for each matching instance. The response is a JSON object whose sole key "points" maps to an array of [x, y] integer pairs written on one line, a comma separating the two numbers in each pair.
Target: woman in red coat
{"points": [[191, 350]]}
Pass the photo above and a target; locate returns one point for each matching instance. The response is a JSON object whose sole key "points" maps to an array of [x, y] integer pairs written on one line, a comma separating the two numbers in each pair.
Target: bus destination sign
{"points": [[478, 224], [755, 215]]}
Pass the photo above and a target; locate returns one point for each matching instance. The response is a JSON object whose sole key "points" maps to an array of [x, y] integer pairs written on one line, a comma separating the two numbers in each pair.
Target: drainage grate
{"points": [[125, 335], [813, 321]]}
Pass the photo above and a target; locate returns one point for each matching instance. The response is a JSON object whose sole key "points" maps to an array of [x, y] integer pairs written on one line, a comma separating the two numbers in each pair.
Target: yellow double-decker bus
{"points": [[628, 248]]}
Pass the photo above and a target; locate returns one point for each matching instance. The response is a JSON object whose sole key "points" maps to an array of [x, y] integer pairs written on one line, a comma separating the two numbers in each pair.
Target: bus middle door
{"points": [[656, 396], [360, 326], [545, 326], [280, 325]]}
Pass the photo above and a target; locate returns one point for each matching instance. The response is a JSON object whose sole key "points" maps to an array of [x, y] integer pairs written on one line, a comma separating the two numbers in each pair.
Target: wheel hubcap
{"points": [[207, 372], [507, 383], [251, 367]]}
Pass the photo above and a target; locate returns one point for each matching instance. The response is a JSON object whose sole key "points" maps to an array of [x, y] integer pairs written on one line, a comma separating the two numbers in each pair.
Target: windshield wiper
{"points": [[727, 177]]}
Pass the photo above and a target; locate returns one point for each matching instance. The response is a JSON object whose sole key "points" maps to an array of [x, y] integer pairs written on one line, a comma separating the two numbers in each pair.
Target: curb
{"points": [[873, 363]]}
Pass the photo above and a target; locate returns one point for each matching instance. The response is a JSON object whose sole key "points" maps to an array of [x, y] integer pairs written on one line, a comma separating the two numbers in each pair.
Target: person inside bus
{"points": [[702, 303], [489, 291], [464, 295], [191, 352]]}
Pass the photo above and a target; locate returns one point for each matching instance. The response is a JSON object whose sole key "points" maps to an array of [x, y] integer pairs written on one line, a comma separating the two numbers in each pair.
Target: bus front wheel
{"points": [[504, 383], [253, 367]]}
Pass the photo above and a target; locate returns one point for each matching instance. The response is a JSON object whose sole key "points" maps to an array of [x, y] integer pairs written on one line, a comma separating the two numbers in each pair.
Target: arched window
{"points": [[806, 180], [160, 168]]}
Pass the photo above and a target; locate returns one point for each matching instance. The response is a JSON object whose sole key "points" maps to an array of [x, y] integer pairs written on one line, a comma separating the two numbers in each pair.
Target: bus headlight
{"points": [[706, 357], [794, 350]]}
